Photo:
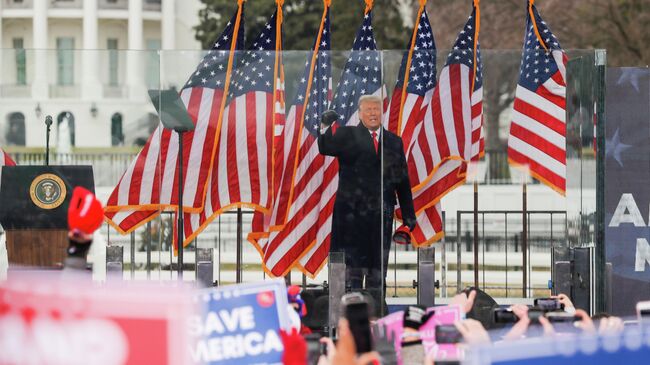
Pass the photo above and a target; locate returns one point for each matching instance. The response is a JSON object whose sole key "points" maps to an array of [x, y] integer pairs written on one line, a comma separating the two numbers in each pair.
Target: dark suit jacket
{"points": [[357, 219]]}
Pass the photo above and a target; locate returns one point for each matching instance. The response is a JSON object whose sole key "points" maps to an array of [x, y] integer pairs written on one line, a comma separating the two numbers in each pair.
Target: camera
{"points": [[355, 310], [548, 304], [507, 316], [504, 316], [448, 334], [561, 317], [314, 348]]}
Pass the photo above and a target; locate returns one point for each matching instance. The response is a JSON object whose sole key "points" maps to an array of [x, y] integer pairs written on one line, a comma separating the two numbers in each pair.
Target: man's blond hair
{"points": [[369, 99]]}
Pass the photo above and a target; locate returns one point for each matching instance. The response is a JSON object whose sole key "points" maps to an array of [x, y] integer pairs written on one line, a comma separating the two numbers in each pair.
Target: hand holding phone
{"points": [[356, 312]]}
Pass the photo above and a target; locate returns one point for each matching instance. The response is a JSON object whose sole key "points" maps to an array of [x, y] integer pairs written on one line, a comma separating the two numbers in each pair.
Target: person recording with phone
{"points": [[370, 159]]}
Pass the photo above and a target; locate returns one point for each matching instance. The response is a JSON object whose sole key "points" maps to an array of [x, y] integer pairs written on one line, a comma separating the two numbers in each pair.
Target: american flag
{"points": [[361, 76], [288, 137], [242, 173], [411, 103], [455, 118], [150, 183], [5, 160], [406, 115], [537, 140], [302, 214]]}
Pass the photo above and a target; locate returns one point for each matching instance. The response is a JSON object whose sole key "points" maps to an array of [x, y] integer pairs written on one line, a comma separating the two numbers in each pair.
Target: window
{"points": [[65, 136], [15, 131], [117, 137], [65, 61], [112, 61], [21, 70], [153, 64]]}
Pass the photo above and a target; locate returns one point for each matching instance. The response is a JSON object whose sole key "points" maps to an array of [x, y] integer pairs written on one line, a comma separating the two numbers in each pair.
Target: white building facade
{"points": [[88, 63]]}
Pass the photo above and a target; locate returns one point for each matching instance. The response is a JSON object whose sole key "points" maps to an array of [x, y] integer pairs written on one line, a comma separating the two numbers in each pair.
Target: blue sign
{"points": [[240, 324], [629, 347]]}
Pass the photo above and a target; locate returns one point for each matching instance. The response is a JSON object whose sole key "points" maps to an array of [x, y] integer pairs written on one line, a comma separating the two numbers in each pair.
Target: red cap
{"points": [[85, 212]]}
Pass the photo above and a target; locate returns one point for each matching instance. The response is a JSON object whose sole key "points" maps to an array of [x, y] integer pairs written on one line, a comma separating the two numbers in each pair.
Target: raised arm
{"points": [[329, 142]]}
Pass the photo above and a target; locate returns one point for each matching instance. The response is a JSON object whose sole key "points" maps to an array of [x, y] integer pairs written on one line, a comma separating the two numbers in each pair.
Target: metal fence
{"points": [[109, 164], [148, 253]]}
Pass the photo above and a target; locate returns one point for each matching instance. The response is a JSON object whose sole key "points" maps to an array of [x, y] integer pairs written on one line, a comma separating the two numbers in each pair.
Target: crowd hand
{"points": [[610, 325], [473, 332], [520, 328], [466, 302], [331, 351], [294, 341], [549, 331], [564, 299], [346, 352], [585, 323]]}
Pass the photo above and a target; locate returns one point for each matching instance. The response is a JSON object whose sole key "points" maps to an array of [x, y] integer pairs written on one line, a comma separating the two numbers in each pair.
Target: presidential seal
{"points": [[47, 191]]}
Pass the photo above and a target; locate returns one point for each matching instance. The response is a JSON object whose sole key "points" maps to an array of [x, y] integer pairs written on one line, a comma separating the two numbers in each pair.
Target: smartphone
{"points": [[504, 315], [448, 334], [643, 311], [548, 304], [534, 314], [561, 317], [356, 312], [313, 348]]}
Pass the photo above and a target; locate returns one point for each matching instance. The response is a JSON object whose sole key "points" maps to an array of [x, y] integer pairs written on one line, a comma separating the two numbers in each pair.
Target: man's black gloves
{"points": [[329, 117]]}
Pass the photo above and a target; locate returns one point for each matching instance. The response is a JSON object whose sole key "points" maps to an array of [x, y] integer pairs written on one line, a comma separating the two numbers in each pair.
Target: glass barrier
{"points": [[107, 108]]}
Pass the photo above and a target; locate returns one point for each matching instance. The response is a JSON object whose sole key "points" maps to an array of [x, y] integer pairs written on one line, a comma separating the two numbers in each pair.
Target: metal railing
{"points": [[110, 164], [148, 253], [107, 167], [13, 4], [524, 260]]}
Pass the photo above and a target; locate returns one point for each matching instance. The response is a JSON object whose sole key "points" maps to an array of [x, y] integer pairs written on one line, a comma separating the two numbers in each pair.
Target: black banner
{"points": [[627, 186]]}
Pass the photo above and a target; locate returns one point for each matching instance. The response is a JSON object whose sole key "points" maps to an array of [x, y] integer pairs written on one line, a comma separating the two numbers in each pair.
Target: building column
{"points": [[41, 55], [168, 24], [3, 49], [135, 59], [91, 87]]}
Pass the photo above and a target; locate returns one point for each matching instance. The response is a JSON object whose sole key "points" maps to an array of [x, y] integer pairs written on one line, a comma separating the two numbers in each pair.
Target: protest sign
{"points": [[240, 324], [393, 327], [45, 319]]}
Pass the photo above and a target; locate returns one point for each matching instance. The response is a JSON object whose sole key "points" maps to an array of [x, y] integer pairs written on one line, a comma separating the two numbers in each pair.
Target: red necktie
{"points": [[374, 140]]}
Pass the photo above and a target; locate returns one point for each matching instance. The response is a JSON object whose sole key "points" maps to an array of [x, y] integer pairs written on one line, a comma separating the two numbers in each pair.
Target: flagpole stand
{"points": [[524, 241], [179, 229], [174, 116], [476, 234]]}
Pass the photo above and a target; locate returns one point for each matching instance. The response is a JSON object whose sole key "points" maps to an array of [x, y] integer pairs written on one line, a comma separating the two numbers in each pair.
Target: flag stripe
{"points": [[537, 140]]}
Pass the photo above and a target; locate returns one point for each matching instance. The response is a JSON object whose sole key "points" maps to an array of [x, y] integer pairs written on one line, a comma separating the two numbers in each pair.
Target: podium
{"points": [[34, 211]]}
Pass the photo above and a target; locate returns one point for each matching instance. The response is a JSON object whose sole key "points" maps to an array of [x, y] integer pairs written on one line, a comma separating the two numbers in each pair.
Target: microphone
{"points": [[48, 123]]}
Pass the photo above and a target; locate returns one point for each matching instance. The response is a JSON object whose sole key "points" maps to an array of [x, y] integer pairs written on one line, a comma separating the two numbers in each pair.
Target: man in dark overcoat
{"points": [[367, 194]]}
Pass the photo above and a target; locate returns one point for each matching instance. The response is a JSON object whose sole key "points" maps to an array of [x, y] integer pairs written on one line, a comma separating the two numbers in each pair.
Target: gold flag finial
{"points": [[368, 6]]}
